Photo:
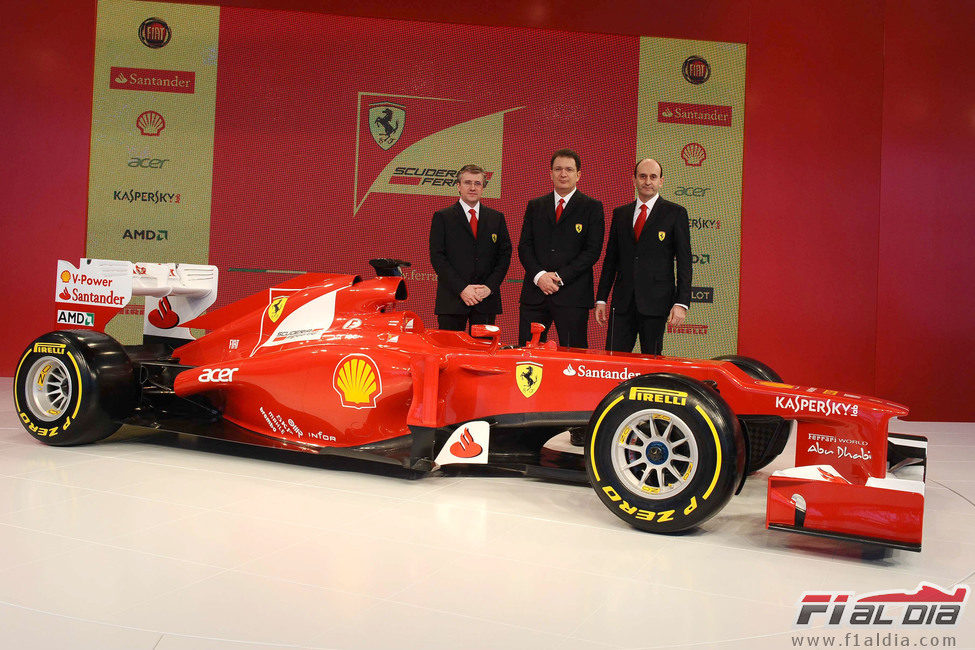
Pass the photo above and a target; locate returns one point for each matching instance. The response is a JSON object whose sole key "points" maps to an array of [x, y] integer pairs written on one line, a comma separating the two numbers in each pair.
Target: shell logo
{"points": [[357, 381], [65, 276], [693, 154], [150, 123]]}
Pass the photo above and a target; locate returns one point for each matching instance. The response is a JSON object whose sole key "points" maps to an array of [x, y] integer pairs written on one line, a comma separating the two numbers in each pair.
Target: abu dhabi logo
{"points": [[444, 135], [386, 122]]}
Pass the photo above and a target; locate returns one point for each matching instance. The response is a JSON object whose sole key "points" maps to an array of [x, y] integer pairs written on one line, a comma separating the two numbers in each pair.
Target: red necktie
{"points": [[640, 221], [558, 210], [473, 221]]}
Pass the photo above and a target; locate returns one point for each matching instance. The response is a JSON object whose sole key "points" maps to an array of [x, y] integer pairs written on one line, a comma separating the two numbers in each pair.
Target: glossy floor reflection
{"points": [[167, 543]]}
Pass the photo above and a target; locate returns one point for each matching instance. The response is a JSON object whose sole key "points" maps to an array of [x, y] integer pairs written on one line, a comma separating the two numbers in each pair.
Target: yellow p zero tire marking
{"points": [[717, 448], [78, 402], [16, 375], [595, 430]]}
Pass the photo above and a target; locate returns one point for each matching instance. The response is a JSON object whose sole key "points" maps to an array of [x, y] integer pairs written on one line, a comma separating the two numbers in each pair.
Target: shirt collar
{"points": [[567, 197], [467, 209], [650, 204]]}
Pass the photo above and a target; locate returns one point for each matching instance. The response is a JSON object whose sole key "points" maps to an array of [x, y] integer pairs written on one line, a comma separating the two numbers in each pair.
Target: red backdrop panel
{"points": [[285, 138], [47, 50], [926, 333], [897, 321]]}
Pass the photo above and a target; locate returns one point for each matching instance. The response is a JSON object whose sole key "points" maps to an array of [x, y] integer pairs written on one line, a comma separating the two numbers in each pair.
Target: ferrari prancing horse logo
{"points": [[528, 376], [275, 309], [579, 227], [661, 235]]}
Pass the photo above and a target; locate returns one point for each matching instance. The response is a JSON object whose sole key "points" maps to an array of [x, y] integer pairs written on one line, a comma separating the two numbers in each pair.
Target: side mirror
{"points": [[537, 330], [492, 332]]}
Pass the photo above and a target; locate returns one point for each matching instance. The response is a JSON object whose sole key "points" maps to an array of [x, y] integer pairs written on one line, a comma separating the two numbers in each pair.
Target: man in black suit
{"points": [[470, 250], [561, 239], [645, 238]]}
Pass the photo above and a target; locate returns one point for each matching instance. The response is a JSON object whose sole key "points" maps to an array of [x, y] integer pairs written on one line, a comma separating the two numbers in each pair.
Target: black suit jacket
{"points": [[569, 247], [643, 272], [459, 260]]}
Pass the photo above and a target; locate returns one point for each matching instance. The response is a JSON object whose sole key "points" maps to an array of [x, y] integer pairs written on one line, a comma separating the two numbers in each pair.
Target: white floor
{"points": [[146, 543]]}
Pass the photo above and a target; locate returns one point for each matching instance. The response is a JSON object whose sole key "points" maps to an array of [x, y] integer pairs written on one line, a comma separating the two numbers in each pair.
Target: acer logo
{"points": [[148, 163], [217, 375]]}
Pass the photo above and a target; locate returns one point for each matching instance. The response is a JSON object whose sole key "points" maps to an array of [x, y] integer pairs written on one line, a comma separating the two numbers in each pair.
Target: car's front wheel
{"points": [[665, 452]]}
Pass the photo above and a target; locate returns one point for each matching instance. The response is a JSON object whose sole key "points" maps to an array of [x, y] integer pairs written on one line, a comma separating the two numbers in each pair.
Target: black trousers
{"points": [[458, 322], [571, 323], [625, 326]]}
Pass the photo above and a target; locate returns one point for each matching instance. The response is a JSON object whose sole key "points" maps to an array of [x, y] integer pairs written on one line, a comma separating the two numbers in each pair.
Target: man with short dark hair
{"points": [[470, 250], [561, 239], [645, 238]]}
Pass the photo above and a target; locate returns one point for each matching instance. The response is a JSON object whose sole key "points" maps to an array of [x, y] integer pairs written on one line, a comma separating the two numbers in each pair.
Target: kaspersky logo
{"points": [[444, 134]]}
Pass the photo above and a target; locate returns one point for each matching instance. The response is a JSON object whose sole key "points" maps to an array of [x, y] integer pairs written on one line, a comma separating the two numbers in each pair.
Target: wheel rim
{"points": [[48, 389], [654, 454]]}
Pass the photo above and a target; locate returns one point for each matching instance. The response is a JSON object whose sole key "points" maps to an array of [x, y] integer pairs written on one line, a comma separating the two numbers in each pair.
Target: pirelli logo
{"points": [[49, 348], [658, 395]]}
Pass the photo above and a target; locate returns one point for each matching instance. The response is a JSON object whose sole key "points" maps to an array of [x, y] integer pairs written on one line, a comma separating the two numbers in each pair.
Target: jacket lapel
{"points": [[628, 222], [569, 207], [550, 208], [465, 224], [653, 219]]}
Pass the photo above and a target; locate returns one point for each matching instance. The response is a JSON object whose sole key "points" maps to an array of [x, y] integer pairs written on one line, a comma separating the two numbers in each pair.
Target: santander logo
{"points": [[466, 447], [163, 316]]}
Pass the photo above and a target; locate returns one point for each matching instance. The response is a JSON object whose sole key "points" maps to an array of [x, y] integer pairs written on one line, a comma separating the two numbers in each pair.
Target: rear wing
{"points": [[90, 295]]}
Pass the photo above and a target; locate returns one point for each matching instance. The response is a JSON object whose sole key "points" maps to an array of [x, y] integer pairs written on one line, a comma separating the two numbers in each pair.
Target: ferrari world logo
{"points": [[276, 308], [529, 378], [357, 381], [386, 121]]}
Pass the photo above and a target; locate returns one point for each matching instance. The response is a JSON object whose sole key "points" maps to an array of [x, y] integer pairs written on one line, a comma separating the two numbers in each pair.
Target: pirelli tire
{"points": [[766, 435], [753, 367], [73, 387], [665, 452]]}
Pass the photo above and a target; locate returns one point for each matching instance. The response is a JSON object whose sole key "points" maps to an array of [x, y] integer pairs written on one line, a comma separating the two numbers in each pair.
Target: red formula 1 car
{"points": [[327, 364]]}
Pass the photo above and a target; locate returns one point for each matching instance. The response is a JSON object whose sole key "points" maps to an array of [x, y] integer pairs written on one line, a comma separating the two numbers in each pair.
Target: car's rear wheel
{"points": [[665, 452], [73, 387]]}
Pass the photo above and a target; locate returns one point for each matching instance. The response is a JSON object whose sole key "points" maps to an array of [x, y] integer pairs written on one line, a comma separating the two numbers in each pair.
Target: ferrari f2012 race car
{"points": [[327, 363]]}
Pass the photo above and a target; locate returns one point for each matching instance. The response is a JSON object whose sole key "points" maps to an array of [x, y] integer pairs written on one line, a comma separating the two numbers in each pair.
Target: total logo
{"points": [[217, 375]]}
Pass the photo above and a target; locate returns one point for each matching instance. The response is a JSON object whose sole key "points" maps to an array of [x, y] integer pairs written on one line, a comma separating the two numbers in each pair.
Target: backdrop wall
{"points": [[855, 227]]}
